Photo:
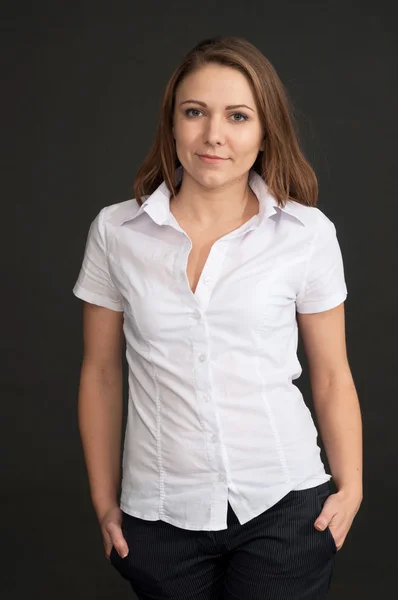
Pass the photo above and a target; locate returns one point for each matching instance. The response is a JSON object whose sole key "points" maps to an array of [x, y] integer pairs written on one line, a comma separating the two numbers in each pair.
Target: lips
{"points": [[211, 161], [212, 156]]}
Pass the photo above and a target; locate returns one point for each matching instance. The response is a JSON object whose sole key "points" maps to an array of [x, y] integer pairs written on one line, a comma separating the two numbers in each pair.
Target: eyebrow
{"points": [[226, 108]]}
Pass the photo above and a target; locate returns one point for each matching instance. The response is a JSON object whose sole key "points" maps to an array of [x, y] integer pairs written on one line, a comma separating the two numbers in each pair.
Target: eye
{"points": [[244, 117], [190, 109]]}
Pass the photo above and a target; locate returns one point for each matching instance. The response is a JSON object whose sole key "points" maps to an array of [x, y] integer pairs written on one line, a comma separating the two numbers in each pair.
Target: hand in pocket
{"points": [[112, 534]]}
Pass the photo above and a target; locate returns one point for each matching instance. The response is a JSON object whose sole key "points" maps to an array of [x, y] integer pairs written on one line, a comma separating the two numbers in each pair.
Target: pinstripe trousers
{"points": [[278, 555]]}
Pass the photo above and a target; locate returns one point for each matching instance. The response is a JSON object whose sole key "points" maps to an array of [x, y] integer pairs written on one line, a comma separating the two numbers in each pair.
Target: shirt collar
{"points": [[157, 204]]}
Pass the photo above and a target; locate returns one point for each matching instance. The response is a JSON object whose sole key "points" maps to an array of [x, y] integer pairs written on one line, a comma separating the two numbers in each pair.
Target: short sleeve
{"points": [[94, 283], [324, 286]]}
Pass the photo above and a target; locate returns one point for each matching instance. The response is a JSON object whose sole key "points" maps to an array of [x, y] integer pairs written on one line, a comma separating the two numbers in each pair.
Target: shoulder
{"points": [[311, 216], [115, 214]]}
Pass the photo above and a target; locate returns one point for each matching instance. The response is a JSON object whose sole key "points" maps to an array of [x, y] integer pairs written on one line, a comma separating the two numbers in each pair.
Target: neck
{"points": [[226, 205]]}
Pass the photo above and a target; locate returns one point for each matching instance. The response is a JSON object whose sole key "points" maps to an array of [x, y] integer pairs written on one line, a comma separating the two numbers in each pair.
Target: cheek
{"points": [[248, 139], [186, 131], [186, 140]]}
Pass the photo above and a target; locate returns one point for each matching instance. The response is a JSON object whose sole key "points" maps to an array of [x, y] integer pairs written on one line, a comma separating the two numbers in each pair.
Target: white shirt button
{"points": [[222, 477], [202, 357], [206, 397], [207, 280], [214, 438], [196, 315]]}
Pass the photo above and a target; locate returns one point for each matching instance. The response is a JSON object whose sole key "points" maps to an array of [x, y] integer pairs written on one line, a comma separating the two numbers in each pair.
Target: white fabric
{"points": [[213, 412]]}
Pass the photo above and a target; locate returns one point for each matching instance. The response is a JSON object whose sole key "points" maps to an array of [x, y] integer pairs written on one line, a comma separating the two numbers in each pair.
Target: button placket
{"points": [[203, 390], [200, 338], [210, 273]]}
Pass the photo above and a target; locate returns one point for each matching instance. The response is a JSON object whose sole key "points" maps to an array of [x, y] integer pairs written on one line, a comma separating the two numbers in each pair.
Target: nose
{"points": [[214, 133]]}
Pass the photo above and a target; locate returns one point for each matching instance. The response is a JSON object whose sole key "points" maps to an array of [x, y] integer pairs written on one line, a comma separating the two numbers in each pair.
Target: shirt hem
{"points": [[97, 299], [246, 516], [316, 307]]}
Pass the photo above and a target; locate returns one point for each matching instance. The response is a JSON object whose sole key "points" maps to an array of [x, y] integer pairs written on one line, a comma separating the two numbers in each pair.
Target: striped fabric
{"points": [[278, 555]]}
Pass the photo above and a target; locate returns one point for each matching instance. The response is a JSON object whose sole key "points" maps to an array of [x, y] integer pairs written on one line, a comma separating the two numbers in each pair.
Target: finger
{"points": [[121, 546], [108, 555]]}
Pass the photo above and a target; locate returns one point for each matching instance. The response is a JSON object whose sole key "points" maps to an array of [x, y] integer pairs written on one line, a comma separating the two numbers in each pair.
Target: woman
{"points": [[208, 274]]}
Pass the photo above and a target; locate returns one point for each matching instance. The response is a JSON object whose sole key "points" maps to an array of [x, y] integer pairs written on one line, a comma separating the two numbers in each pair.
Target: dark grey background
{"points": [[83, 82]]}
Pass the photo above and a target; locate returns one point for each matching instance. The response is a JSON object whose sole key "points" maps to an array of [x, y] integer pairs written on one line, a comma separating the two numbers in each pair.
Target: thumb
{"points": [[120, 544], [322, 521]]}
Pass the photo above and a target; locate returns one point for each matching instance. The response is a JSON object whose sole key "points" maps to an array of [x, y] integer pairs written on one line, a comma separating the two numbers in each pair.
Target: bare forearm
{"points": [[340, 424], [100, 421]]}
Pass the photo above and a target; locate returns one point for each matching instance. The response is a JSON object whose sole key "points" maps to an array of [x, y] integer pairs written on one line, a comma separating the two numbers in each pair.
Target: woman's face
{"points": [[235, 134]]}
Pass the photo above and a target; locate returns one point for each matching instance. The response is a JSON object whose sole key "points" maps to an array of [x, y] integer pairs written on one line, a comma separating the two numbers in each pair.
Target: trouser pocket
{"points": [[323, 492], [120, 564]]}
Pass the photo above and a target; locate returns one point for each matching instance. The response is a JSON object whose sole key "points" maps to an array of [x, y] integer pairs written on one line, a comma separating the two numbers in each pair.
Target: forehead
{"points": [[215, 82]]}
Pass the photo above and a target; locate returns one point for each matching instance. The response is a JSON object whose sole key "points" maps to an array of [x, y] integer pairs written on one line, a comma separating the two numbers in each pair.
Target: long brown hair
{"points": [[282, 165]]}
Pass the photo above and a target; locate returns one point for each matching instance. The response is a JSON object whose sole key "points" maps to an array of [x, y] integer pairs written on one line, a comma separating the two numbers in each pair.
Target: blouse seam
{"points": [[308, 259], [107, 255], [274, 428], [162, 473]]}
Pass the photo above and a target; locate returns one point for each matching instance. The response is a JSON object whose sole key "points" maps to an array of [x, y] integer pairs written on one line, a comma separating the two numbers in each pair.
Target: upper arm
{"points": [[324, 342], [94, 283], [103, 336], [103, 303], [320, 306]]}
